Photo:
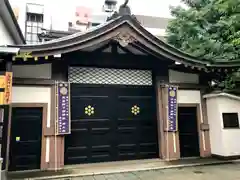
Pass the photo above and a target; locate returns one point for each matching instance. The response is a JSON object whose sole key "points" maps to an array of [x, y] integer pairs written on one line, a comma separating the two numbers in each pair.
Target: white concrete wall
{"points": [[181, 77], [5, 37], [25, 94], [224, 142], [230, 137], [215, 126], [42, 71]]}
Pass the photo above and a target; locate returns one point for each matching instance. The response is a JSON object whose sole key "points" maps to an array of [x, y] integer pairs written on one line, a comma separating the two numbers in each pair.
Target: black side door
{"points": [[26, 135], [188, 132]]}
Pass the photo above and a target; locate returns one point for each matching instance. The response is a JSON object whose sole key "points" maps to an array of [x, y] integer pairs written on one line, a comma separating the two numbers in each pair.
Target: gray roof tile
{"points": [[153, 22]]}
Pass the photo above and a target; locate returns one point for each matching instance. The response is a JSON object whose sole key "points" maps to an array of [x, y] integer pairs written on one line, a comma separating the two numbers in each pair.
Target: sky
{"points": [[146, 7], [159, 8], [59, 12]]}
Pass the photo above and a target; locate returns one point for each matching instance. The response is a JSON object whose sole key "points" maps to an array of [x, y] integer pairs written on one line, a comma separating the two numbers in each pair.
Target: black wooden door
{"points": [[111, 123], [26, 135], [188, 132]]}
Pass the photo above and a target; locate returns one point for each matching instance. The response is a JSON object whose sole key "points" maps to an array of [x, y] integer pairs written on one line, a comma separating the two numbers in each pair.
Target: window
{"points": [[230, 120], [95, 24], [34, 25], [109, 7]]}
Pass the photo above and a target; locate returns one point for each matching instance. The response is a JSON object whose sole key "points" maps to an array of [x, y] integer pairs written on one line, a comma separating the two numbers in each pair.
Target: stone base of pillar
{"points": [[3, 175], [56, 161], [171, 141]]}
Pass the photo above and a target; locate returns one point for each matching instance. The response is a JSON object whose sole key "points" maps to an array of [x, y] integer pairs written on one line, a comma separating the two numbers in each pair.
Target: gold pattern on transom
{"points": [[89, 110], [135, 110]]}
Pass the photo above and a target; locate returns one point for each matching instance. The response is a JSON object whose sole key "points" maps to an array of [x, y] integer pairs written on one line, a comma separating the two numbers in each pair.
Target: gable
{"points": [[126, 30]]}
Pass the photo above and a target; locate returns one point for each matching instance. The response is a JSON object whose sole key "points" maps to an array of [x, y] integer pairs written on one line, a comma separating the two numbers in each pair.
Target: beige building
{"points": [[10, 32]]}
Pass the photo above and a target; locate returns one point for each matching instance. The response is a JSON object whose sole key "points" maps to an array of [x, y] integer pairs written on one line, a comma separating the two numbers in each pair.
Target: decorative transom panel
{"points": [[109, 76]]}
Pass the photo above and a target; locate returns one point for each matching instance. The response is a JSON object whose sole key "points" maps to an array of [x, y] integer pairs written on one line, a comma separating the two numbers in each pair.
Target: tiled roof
{"points": [[153, 22]]}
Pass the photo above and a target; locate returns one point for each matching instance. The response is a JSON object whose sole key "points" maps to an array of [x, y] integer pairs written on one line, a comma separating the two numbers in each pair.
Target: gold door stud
{"points": [[135, 110], [89, 110]]}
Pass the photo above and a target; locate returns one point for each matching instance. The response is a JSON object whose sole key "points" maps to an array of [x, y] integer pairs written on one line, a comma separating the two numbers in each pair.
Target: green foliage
{"points": [[228, 84], [209, 29]]}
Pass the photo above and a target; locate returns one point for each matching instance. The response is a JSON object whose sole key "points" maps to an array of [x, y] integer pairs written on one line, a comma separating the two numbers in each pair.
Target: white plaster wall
{"points": [[215, 125], [189, 96], [5, 37], [27, 94], [43, 71], [181, 77]]}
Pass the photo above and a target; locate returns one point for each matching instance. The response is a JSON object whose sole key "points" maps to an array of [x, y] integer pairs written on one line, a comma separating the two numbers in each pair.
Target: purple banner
{"points": [[63, 108], [172, 108]]}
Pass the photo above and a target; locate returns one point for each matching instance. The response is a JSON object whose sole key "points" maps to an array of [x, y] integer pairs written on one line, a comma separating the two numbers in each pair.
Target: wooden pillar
{"points": [[5, 135], [170, 139], [56, 154], [56, 148], [205, 146], [6, 120], [160, 118]]}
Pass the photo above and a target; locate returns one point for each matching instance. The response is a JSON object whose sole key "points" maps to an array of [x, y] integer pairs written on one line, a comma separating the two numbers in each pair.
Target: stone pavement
{"points": [[119, 170], [213, 172]]}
